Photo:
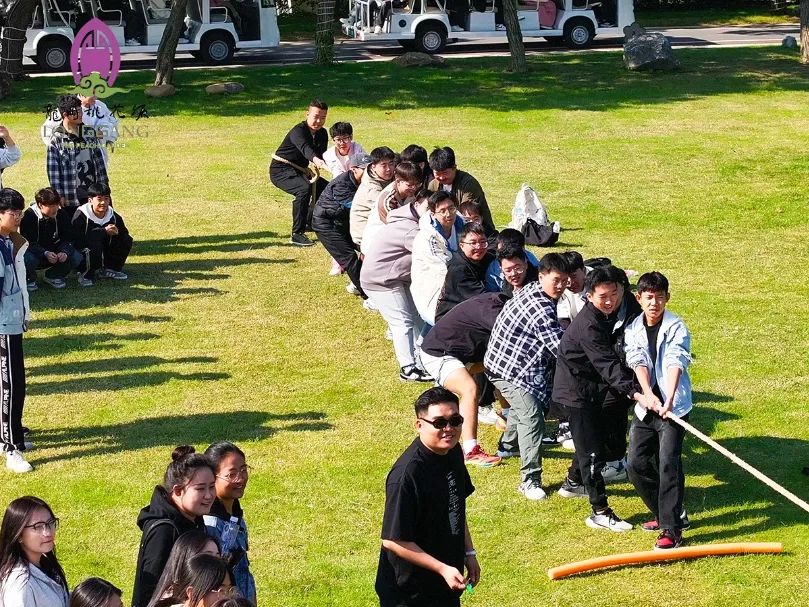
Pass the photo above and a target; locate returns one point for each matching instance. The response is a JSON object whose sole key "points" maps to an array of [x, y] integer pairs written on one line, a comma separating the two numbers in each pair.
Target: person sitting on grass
{"points": [[47, 228], [95, 592], [337, 157], [452, 353], [331, 220], [177, 506], [189, 544], [226, 521], [433, 247], [466, 270], [426, 543], [520, 362], [658, 349], [10, 152], [377, 176], [401, 191], [460, 184], [102, 234]]}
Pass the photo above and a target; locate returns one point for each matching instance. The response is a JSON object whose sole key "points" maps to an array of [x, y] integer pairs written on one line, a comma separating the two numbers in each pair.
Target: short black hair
{"points": [[574, 260], [11, 200], [319, 104], [554, 262], [473, 227], [434, 396], [654, 282], [438, 197], [442, 159], [510, 238], [98, 189], [409, 172], [414, 153], [341, 129], [605, 275], [469, 207], [382, 153], [511, 252], [69, 105]]}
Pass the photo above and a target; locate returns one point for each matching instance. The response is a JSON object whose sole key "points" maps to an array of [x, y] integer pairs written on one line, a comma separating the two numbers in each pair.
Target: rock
{"points": [[163, 90], [789, 42], [419, 60], [649, 52], [224, 87]]}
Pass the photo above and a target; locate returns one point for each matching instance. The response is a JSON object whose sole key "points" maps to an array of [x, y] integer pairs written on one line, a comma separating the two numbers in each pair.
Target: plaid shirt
{"points": [[525, 341], [63, 173]]}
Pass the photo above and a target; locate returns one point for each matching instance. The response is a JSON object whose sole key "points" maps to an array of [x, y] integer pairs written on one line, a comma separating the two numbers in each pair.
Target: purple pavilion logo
{"points": [[95, 60]]}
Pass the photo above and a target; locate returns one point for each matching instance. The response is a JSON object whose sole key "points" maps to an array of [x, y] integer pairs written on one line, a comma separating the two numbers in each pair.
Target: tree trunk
{"points": [[514, 35], [805, 32], [14, 21], [164, 68], [324, 34]]}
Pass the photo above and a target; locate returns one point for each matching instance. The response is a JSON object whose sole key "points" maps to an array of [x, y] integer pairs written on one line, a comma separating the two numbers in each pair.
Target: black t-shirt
{"points": [[425, 503], [300, 146], [651, 338]]}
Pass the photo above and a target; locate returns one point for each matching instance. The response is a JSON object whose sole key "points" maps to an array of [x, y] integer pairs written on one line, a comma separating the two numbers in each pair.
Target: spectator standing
{"points": [[95, 592], [96, 116], [10, 152], [187, 545]]}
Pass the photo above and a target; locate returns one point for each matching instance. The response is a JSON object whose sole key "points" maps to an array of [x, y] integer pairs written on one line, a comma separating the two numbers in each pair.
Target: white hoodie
{"points": [[431, 254]]}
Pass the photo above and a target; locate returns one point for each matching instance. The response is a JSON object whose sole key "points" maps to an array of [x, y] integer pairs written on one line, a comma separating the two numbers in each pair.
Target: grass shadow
{"points": [[219, 243]]}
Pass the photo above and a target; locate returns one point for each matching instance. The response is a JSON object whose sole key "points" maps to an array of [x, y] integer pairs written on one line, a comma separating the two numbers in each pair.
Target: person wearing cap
{"points": [[305, 143], [330, 218]]}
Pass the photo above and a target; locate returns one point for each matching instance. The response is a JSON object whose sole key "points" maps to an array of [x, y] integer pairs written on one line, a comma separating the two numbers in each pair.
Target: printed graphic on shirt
{"points": [[455, 502]]}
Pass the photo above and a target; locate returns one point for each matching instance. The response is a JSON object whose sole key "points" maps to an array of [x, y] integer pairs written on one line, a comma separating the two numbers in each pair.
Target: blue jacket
{"points": [[673, 350], [236, 551], [13, 291]]}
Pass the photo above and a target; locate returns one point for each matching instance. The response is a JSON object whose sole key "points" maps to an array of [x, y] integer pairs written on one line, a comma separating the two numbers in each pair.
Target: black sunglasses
{"points": [[439, 423]]}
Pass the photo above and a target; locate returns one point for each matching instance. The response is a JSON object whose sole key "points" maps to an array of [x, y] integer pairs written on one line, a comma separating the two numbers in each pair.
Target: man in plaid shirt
{"points": [[75, 159], [520, 362]]}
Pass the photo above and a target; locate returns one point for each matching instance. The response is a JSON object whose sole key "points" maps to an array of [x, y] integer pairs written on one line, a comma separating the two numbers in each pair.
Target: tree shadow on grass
{"points": [[56, 344], [101, 318], [221, 243], [169, 431], [116, 364]]}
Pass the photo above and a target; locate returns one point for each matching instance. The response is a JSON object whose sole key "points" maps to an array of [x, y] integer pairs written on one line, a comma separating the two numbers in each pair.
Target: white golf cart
{"points": [[213, 33], [427, 25]]}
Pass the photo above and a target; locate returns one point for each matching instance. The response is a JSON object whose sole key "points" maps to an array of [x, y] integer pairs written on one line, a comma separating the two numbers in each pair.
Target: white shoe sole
{"points": [[593, 525]]}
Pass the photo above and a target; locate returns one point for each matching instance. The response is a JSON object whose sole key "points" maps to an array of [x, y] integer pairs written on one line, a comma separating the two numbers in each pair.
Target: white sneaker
{"points": [[388, 334], [336, 269], [487, 415], [457, 28], [614, 472], [378, 29], [133, 42], [351, 289], [568, 444], [17, 463], [370, 306], [532, 490], [56, 283], [607, 520]]}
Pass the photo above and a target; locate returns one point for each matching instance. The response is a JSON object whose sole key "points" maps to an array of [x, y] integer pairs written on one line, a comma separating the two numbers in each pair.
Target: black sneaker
{"points": [[571, 489], [300, 240], [550, 438], [413, 373]]}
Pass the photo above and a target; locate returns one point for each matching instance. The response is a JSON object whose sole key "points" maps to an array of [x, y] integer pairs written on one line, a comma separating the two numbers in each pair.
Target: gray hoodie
{"points": [[387, 262]]}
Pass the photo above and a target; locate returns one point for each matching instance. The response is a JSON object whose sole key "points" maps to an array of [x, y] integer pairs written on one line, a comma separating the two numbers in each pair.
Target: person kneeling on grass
{"points": [[47, 228], [658, 349], [426, 542], [103, 236]]}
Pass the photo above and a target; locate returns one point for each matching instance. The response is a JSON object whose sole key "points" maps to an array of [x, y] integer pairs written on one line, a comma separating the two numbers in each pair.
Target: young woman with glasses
{"points": [[226, 520], [203, 581], [30, 573]]}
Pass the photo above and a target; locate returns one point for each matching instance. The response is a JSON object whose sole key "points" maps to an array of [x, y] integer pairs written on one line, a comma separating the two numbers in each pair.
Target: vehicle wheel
{"points": [[431, 39], [555, 40], [53, 54], [217, 48], [579, 33], [408, 45]]}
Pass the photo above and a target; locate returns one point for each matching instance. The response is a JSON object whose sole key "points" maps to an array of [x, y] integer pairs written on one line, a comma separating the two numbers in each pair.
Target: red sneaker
{"points": [[478, 457], [652, 525], [668, 540]]}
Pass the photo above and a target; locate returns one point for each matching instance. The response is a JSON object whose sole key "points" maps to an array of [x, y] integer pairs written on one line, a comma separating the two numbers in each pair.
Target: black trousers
{"points": [[615, 420], [336, 239], [12, 392], [104, 251], [589, 459], [293, 182], [656, 467]]}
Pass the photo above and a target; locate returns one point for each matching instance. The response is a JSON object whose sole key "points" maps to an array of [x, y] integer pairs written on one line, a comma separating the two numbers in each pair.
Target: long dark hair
{"points": [[189, 544], [93, 592], [217, 452], [203, 573], [17, 516], [185, 462]]}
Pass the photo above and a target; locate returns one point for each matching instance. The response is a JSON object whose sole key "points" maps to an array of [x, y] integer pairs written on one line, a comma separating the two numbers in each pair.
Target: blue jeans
{"points": [[35, 260]]}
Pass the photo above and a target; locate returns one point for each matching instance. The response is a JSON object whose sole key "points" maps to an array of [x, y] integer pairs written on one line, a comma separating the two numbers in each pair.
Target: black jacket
{"points": [[531, 275], [464, 331], [161, 524], [88, 233], [464, 279], [300, 146], [589, 363], [45, 233], [334, 204]]}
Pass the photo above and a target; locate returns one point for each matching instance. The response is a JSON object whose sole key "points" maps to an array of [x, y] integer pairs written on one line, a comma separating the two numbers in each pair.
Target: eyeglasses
{"points": [[243, 473], [342, 140], [514, 271], [439, 423], [446, 211], [476, 244], [51, 525], [14, 214], [224, 590]]}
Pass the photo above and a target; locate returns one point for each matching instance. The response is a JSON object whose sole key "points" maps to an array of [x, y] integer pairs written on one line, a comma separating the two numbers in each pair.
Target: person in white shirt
{"points": [[336, 157], [572, 300], [10, 153], [97, 116]]}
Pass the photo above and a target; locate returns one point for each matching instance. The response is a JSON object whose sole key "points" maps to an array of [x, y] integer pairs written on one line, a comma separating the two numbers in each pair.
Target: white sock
{"points": [[469, 444]]}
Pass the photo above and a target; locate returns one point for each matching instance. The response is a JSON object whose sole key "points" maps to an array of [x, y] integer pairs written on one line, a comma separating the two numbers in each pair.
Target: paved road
{"points": [[291, 53]]}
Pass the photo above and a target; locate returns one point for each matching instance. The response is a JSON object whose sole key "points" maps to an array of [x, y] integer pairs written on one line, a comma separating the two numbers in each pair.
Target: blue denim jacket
{"points": [[215, 524]]}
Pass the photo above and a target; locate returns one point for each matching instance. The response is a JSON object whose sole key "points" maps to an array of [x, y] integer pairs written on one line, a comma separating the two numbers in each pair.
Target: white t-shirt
{"points": [[338, 164]]}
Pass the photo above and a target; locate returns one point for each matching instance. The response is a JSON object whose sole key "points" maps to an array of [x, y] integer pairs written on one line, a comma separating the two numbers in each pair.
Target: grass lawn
{"points": [[756, 14], [224, 331]]}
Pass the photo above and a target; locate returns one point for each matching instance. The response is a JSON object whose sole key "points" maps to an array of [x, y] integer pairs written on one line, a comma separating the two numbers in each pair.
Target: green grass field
{"points": [[224, 331]]}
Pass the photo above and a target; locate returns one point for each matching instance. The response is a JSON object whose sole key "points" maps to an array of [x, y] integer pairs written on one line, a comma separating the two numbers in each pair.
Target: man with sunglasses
{"points": [[426, 544]]}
